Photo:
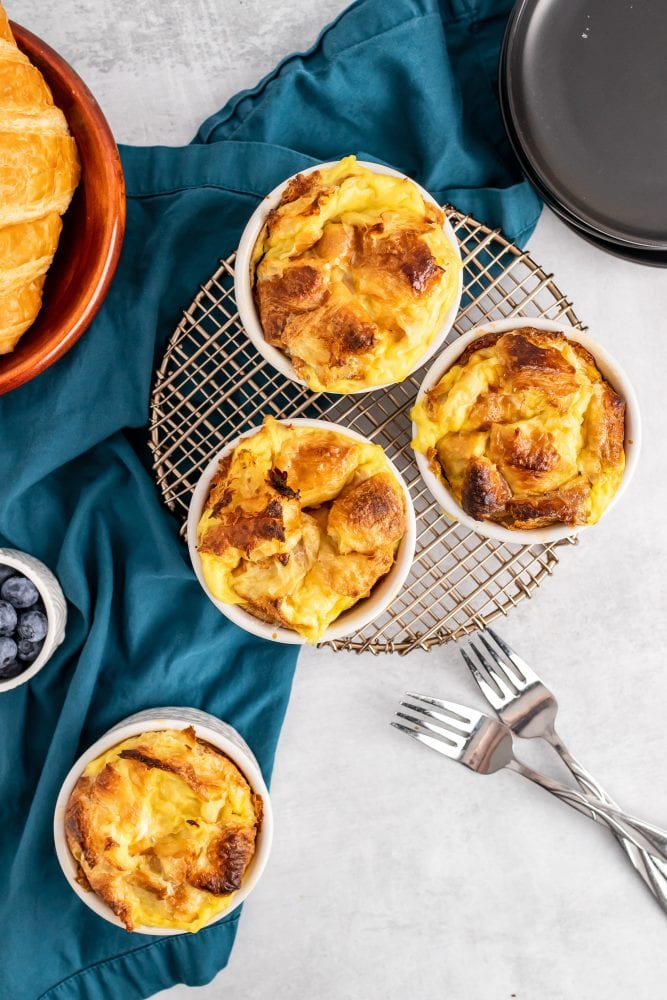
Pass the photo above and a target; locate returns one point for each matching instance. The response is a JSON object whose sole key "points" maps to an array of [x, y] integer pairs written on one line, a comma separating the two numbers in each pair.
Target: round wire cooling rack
{"points": [[212, 383]]}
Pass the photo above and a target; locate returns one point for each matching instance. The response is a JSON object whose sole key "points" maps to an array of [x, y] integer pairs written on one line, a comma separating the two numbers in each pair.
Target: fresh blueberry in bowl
{"points": [[13, 670], [19, 591], [32, 625], [28, 651], [33, 613], [23, 623], [8, 618], [9, 666]]}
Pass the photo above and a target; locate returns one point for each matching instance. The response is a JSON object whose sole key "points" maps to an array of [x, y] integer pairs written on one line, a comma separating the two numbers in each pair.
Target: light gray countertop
{"points": [[395, 873]]}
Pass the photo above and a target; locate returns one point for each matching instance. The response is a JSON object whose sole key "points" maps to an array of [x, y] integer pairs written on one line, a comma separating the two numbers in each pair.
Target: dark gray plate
{"points": [[652, 258], [637, 255], [585, 88]]}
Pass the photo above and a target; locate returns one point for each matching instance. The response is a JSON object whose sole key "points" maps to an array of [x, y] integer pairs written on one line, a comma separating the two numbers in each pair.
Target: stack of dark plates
{"points": [[583, 86]]}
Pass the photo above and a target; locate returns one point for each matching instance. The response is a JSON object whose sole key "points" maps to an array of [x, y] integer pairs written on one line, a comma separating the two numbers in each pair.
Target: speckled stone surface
{"points": [[395, 873]]}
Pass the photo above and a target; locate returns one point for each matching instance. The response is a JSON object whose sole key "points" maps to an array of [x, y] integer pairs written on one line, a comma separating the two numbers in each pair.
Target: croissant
{"points": [[39, 172]]}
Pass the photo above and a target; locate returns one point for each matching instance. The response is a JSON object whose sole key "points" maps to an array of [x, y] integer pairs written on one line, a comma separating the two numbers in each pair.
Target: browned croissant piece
{"points": [[39, 171], [525, 431]]}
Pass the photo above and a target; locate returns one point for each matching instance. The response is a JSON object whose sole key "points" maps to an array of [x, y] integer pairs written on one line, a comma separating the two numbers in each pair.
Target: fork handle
{"points": [[644, 836], [584, 778], [647, 866]]}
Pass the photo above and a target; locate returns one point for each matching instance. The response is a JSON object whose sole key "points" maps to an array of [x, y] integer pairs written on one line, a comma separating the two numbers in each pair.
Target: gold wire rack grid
{"points": [[212, 384]]}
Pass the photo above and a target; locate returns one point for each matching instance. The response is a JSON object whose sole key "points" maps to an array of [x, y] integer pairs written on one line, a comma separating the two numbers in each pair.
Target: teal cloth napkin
{"points": [[411, 83]]}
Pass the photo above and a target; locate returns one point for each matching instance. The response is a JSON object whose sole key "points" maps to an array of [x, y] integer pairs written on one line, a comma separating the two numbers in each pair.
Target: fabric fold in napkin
{"points": [[412, 83]]}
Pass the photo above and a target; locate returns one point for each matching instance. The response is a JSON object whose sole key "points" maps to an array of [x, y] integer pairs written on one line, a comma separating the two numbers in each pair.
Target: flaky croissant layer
{"points": [[39, 172]]}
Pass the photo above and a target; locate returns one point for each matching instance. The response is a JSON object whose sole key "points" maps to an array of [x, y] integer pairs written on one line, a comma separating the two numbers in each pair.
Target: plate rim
{"points": [[523, 10]]}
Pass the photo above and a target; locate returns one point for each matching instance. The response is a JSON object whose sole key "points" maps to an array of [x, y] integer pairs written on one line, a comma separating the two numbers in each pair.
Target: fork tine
{"points": [[446, 720], [513, 657], [503, 690], [454, 739], [489, 693], [428, 741], [468, 715], [507, 672]]}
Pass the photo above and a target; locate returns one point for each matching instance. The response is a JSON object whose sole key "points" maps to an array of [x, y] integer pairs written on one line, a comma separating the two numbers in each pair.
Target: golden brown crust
{"points": [[172, 852], [482, 343], [484, 493], [299, 525], [528, 457], [402, 256], [339, 340], [535, 436], [350, 285], [533, 363], [368, 516], [5, 29], [300, 186], [282, 299], [317, 465], [39, 171], [240, 529], [605, 425], [566, 506], [351, 574], [222, 869]]}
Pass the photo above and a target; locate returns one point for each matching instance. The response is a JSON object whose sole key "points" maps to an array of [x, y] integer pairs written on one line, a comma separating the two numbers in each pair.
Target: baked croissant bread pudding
{"points": [[39, 171], [525, 431], [353, 276], [300, 524], [163, 828]]}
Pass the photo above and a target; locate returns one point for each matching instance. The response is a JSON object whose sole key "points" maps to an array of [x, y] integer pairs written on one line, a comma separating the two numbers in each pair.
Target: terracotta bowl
{"points": [[93, 226]]}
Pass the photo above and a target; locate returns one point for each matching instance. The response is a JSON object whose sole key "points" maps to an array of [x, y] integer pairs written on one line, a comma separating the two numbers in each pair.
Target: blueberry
{"points": [[6, 572], [32, 625], [28, 651], [8, 651], [13, 669], [19, 591], [7, 618]]}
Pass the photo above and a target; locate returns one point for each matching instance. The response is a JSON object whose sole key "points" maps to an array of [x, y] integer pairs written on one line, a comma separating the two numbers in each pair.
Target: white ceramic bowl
{"points": [[207, 727], [357, 616], [611, 370], [54, 606], [243, 289]]}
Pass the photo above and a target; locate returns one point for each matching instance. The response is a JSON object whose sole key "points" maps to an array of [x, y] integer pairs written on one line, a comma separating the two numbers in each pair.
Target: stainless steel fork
{"points": [[528, 707], [485, 745]]}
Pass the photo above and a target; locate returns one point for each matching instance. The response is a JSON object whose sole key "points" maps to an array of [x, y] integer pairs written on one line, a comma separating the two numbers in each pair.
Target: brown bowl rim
{"points": [[114, 223]]}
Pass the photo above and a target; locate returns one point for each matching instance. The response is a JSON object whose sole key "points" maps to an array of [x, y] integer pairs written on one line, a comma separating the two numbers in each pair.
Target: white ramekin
{"points": [[357, 616], [207, 727], [54, 606], [245, 300], [611, 370]]}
